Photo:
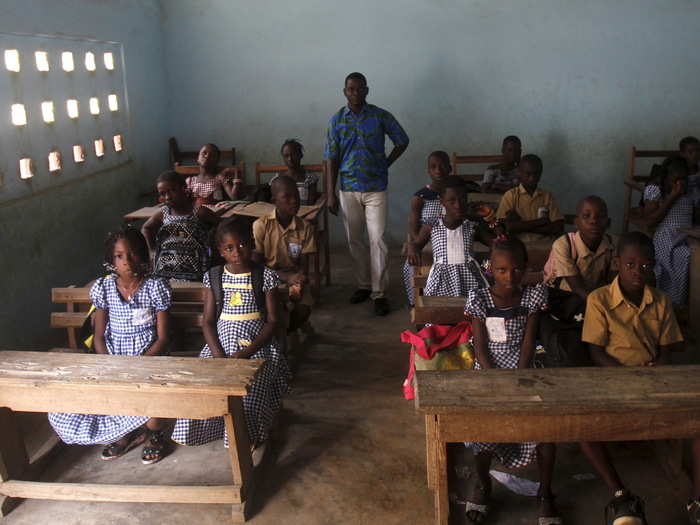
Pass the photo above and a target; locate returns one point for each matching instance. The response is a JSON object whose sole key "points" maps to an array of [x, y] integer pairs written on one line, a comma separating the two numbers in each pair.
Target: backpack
{"points": [[562, 344], [256, 275]]}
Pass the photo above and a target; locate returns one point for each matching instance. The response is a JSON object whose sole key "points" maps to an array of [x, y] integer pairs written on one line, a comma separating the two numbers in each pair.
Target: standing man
{"points": [[355, 151]]}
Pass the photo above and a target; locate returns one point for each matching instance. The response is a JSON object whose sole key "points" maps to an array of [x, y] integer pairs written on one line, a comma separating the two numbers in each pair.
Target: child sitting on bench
{"points": [[210, 186], [502, 177], [131, 318], [425, 208], [530, 212], [454, 271], [504, 323], [240, 320], [177, 233], [630, 323], [307, 183], [284, 241]]}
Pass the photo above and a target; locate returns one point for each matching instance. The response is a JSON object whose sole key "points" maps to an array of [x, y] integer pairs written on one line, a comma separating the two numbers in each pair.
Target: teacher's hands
{"points": [[333, 203]]}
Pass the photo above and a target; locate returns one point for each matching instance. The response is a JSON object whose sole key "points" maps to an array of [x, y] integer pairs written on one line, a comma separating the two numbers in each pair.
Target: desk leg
{"points": [[430, 448], [239, 454], [442, 503], [13, 456], [694, 291]]}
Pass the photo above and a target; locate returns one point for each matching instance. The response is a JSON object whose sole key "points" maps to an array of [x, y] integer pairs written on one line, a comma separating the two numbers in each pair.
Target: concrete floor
{"points": [[350, 448]]}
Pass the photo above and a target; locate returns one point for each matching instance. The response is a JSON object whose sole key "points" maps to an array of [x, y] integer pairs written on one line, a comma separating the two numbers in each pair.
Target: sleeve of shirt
{"points": [[98, 294], [394, 130], [309, 239], [270, 279], [537, 299], [475, 307], [652, 193], [564, 265], [259, 236], [506, 204], [595, 324], [670, 331], [554, 212], [161, 295], [332, 148]]}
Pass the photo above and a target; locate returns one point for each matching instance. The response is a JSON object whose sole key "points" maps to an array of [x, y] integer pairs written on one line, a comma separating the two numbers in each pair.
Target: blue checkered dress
{"points": [[670, 246], [264, 400], [506, 354], [131, 330], [432, 209]]}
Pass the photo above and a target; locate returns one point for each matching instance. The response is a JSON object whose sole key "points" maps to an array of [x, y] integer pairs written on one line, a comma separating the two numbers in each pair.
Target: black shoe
{"points": [[381, 307], [360, 295]]}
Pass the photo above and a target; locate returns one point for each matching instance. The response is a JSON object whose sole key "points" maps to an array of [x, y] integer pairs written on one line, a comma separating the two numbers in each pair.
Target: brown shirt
{"points": [[283, 247], [593, 267], [528, 206]]}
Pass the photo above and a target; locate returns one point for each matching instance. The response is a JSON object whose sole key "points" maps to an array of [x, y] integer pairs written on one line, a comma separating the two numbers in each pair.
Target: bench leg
{"points": [[430, 448], [13, 456], [239, 454], [442, 503]]}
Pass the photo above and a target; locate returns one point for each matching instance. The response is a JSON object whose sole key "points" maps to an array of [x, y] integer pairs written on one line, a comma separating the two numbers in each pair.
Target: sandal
{"points": [[625, 509], [481, 509], [153, 452], [115, 450], [548, 520], [693, 508]]}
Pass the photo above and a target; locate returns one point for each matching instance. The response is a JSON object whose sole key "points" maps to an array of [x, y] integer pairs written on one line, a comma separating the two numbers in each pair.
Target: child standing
{"points": [[530, 212], [284, 242], [454, 270], [504, 323], [211, 186], [504, 176], [131, 318], [629, 323], [668, 206], [425, 208], [240, 318], [177, 233], [292, 152]]}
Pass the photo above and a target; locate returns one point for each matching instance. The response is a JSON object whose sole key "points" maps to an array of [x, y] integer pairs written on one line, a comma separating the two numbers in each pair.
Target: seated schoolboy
{"points": [[501, 177], [630, 323], [284, 241], [531, 213]]}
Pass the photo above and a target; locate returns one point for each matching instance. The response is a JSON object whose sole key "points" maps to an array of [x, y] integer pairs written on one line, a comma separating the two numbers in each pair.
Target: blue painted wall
{"points": [[54, 236], [579, 82]]}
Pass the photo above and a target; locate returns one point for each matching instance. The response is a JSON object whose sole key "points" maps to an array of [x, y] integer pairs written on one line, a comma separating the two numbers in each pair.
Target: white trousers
{"points": [[367, 211]]}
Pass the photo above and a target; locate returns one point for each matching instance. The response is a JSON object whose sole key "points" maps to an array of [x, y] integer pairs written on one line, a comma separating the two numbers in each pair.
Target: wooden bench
{"points": [[552, 405], [473, 160], [166, 387]]}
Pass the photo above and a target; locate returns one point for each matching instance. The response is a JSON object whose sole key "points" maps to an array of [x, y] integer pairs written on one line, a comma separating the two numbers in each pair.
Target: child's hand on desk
{"points": [[513, 215]]}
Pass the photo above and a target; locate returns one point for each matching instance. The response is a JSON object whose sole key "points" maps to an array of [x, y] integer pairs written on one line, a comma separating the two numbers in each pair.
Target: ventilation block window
{"points": [[78, 153], [109, 61], [72, 108], [94, 106], [26, 168], [42, 60], [19, 115], [47, 111], [54, 161], [113, 102], [90, 61], [67, 61], [118, 144], [12, 60]]}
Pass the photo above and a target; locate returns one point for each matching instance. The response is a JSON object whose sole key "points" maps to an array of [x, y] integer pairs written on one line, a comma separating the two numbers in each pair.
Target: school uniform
{"points": [[131, 330], [629, 333], [571, 257], [506, 330], [497, 175], [528, 207], [304, 187], [182, 247], [207, 192], [239, 324]]}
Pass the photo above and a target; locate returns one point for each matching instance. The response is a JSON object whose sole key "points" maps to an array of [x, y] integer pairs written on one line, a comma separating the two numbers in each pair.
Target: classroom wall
{"points": [[54, 235], [579, 82]]}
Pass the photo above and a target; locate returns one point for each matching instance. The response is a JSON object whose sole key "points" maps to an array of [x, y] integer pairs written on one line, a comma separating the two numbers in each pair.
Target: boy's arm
{"points": [[150, 229], [577, 285], [268, 330], [550, 228], [516, 225], [600, 357], [416, 206], [527, 348], [211, 336]]}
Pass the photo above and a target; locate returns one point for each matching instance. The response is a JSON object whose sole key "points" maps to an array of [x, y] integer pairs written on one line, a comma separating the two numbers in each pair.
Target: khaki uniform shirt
{"points": [[593, 267], [528, 206], [283, 247]]}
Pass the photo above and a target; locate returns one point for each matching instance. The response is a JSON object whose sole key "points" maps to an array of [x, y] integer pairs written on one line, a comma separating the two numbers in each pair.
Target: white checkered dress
{"points": [[670, 245], [182, 247], [452, 280], [204, 190], [265, 397], [432, 209], [131, 330], [480, 305]]}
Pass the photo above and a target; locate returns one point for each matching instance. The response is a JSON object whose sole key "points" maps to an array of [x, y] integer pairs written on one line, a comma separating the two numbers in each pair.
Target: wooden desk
{"points": [[260, 209], [552, 405], [148, 211], [694, 279], [167, 387]]}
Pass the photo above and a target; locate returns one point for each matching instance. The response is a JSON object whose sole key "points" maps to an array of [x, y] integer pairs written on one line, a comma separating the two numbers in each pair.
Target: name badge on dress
{"points": [[496, 327], [141, 316], [294, 250], [303, 193], [455, 246]]}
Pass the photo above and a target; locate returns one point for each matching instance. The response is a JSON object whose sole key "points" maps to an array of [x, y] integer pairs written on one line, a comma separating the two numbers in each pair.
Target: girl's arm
{"points": [[207, 216], [414, 248], [99, 328], [484, 234], [416, 207], [150, 229], [527, 347], [268, 329], [209, 320], [481, 341], [232, 186], [655, 211], [162, 331]]}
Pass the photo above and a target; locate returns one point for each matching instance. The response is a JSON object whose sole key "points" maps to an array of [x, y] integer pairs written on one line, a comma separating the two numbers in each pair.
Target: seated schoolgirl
{"points": [[307, 183], [131, 318], [240, 320], [177, 233], [499, 178], [454, 271], [504, 320], [425, 208], [668, 206], [213, 184]]}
